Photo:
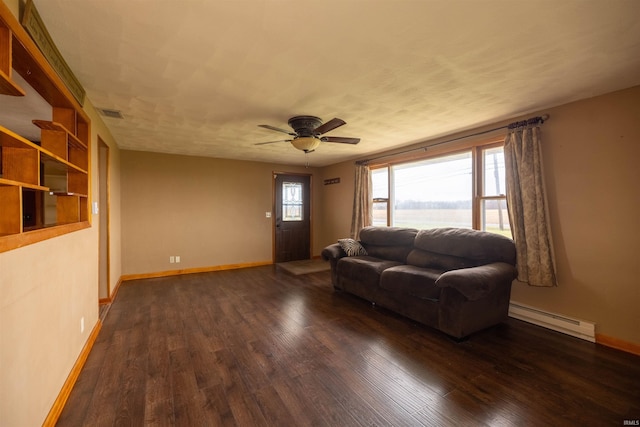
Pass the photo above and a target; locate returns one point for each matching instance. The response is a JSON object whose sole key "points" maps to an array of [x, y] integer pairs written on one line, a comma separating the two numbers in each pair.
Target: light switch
{"points": [[267, 214], [95, 209]]}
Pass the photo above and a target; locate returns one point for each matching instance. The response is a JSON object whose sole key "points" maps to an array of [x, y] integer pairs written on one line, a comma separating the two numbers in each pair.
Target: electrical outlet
{"points": [[81, 324], [172, 259], [177, 258]]}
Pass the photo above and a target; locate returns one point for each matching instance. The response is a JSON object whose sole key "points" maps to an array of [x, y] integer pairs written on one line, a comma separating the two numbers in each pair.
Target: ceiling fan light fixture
{"points": [[306, 143]]}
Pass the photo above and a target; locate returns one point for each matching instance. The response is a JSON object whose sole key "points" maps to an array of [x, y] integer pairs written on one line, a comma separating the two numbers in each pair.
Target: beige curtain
{"points": [[361, 215], [527, 206]]}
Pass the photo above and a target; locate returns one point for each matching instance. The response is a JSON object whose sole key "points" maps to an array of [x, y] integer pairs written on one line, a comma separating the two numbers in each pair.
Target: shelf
{"points": [[48, 157], [70, 208], [8, 182], [20, 159], [12, 139], [57, 127], [9, 87], [66, 193]]}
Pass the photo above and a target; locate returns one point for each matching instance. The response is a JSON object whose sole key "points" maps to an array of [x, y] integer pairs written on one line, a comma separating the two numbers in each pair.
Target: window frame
{"points": [[475, 147], [478, 195], [386, 200]]}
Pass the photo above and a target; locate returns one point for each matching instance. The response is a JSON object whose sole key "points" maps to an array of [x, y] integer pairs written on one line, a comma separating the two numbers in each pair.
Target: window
{"points": [[292, 201], [492, 209], [438, 191], [380, 194]]}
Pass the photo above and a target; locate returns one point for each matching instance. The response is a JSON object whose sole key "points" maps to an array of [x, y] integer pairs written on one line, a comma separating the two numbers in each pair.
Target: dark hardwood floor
{"points": [[261, 347]]}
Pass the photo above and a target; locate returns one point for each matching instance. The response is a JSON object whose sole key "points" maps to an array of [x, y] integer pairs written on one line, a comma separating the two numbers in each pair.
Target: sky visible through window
{"points": [[441, 179], [438, 191]]}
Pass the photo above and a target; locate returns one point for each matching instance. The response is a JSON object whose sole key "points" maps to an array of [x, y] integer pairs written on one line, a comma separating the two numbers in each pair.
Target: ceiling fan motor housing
{"points": [[305, 125]]}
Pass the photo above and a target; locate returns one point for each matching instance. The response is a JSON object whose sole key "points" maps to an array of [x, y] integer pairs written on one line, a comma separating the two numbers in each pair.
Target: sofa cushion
{"points": [[394, 253], [351, 247], [411, 280], [480, 246], [427, 259], [365, 269], [388, 236], [392, 243]]}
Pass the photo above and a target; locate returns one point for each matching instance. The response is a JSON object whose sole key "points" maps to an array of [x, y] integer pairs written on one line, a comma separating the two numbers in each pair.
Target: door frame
{"points": [[273, 211], [104, 232]]}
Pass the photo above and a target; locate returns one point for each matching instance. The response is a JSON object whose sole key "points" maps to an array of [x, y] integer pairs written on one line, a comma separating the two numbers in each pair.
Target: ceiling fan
{"points": [[307, 133]]}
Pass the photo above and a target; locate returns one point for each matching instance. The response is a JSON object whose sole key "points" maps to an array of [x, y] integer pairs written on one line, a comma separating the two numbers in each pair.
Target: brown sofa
{"points": [[453, 279]]}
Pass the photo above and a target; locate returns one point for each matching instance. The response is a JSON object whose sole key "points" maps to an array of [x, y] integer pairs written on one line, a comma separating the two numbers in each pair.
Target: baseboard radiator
{"points": [[574, 327]]}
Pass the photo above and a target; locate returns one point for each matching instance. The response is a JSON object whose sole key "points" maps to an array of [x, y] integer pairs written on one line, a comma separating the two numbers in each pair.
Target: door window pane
{"points": [[434, 192], [292, 201]]}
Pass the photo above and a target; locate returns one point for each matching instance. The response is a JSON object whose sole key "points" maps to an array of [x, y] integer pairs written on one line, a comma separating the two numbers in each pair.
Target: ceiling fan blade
{"points": [[288, 132], [340, 139], [330, 125], [273, 142]]}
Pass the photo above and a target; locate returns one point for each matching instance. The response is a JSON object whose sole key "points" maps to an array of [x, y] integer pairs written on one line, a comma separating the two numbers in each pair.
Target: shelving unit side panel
{"points": [[10, 210], [83, 131], [84, 209], [55, 142], [67, 209], [78, 156], [77, 182], [7, 85], [5, 50], [21, 164], [66, 117]]}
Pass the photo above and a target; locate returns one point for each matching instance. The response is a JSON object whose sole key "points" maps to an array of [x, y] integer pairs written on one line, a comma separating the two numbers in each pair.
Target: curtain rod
{"points": [[532, 121]]}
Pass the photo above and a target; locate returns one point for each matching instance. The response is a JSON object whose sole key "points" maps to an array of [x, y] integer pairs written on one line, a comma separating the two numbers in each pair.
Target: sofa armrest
{"points": [[477, 282], [333, 252]]}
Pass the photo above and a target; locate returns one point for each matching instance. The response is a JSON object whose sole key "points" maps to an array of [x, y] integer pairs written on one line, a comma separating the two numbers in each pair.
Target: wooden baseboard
{"points": [[618, 344], [192, 270], [111, 298], [61, 400]]}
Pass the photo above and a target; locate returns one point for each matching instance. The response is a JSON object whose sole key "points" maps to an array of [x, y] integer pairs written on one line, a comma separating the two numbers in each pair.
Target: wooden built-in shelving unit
{"points": [[62, 155]]}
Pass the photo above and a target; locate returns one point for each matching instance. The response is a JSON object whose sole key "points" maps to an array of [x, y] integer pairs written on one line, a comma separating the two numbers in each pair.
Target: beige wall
{"points": [[337, 202], [45, 289], [591, 150], [99, 129], [210, 212], [13, 6]]}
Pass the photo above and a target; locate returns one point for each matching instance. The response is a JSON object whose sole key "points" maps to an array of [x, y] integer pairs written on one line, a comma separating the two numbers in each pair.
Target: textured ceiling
{"points": [[196, 77]]}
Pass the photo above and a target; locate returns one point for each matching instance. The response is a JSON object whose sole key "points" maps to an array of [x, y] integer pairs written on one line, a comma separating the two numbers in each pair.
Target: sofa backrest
{"points": [[392, 243], [454, 248]]}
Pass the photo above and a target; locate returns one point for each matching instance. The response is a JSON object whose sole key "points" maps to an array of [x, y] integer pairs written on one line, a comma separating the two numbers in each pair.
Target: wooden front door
{"points": [[292, 217]]}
